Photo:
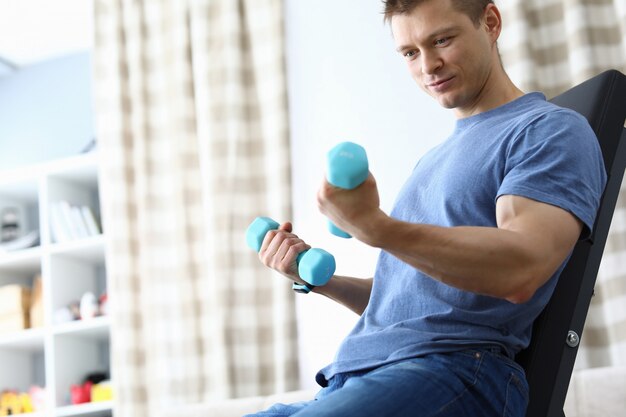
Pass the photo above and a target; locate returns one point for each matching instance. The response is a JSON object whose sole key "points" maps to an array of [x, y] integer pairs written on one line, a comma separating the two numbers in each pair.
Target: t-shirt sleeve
{"points": [[557, 161]]}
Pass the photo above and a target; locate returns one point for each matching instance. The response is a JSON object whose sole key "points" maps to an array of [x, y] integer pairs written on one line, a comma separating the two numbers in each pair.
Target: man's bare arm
{"points": [[510, 261], [353, 293]]}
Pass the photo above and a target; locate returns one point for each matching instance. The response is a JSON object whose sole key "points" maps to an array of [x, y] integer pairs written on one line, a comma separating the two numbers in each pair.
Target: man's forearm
{"points": [[353, 293], [486, 260], [489, 261]]}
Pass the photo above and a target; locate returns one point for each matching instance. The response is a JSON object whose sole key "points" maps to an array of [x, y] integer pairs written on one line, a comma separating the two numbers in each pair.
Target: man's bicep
{"points": [[550, 231]]}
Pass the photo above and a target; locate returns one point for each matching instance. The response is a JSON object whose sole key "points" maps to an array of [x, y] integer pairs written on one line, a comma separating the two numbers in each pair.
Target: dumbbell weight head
{"points": [[346, 167], [257, 230], [315, 266]]}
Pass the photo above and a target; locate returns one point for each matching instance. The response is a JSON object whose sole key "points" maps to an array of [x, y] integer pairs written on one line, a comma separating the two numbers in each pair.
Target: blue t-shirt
{"points": [[527, 147]]}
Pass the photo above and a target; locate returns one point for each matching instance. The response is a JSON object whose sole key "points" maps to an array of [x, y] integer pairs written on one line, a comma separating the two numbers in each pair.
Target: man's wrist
{"points": [[377, 230]]}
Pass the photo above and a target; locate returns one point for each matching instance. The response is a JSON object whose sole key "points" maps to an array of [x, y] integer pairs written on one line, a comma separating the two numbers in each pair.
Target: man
{"points": [[474, 245]]}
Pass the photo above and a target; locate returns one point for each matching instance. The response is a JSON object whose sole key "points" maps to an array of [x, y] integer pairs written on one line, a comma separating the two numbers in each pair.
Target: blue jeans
{"points": [[470, 383]]}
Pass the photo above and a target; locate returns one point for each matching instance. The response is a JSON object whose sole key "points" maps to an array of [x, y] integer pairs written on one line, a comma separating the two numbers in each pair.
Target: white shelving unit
{"points": [[56, 355]]}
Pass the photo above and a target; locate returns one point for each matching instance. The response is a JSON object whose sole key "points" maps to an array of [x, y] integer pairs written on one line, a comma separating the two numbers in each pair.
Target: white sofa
{"points": [[238, 407], [598, 392]]}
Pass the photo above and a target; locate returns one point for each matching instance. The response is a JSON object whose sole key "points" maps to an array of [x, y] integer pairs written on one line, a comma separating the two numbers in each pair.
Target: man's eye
{"points": [[410, 54], [441, 41]]}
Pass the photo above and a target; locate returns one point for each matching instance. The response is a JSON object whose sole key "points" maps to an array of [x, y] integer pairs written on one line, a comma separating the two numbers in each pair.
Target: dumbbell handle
{"points": [[347, 168], [315, 266]]}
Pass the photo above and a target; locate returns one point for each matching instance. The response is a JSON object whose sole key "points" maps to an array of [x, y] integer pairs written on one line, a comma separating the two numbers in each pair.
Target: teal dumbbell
{"points": [[315, 266], [347, 168]]}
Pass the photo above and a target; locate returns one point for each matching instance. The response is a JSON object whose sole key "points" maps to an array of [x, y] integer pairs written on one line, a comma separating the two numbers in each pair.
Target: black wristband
{"points": [[302, 288]]}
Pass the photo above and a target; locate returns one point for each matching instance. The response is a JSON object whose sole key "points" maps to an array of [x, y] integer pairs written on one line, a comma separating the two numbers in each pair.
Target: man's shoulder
{"points": [[545, 111], [543, 116]]}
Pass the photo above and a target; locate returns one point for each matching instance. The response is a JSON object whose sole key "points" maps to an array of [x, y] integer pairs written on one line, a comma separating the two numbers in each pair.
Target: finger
{"points": [[271, 238], [324, 194], [290, 249], [287, 226], [271, 244], [285, 258]]}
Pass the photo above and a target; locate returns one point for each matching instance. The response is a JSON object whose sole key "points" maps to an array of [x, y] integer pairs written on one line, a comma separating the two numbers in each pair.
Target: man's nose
{"points": [[431, 63]]}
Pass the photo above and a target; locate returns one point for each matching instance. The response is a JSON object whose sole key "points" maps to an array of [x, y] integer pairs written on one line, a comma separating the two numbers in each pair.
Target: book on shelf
{"points": [[93, 226], [70, 222], [59, 230], [79, 222]]}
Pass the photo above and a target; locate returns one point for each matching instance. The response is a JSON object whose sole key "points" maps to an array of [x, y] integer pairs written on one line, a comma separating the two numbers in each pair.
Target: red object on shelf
{"points": [[81, 393]]}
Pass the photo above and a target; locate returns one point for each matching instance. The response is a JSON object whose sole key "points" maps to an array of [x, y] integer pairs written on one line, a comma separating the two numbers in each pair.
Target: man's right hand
{"points": [[280, 249]]}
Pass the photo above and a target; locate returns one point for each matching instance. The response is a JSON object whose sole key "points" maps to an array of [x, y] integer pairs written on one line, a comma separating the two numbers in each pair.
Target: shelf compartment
{"points": [[23, 199], [22, 368], [67, 194], [73, 276], [78, 355]]}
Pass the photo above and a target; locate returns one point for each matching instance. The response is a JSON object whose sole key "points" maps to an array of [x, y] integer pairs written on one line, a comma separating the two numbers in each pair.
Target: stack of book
{"points": [[29, 240], [71, 222]]}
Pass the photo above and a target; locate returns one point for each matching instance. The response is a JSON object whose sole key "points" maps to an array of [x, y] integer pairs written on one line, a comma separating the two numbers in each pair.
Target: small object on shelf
{"points": [[36, 303], [38, 397], [10, 226], [12, 402], [14, 308], [80, 394], [97, 377], [104, 304], [88, 306], [102, 391], [66, 314]]}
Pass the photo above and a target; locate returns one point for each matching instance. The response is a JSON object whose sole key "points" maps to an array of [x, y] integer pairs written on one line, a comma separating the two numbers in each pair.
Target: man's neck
{"points": [[497, 91]]}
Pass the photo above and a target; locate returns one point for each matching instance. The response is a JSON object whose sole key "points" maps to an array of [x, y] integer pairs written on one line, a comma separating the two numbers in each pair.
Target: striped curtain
{"points": [[550, 46], [191, 116]]}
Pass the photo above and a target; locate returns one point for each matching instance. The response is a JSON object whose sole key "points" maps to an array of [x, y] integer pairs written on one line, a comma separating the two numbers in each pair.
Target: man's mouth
{"points": [[440, 85]]}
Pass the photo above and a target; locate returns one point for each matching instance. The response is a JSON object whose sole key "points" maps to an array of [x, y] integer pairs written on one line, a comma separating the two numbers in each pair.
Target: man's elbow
{"points": [[520, 297], [526, 286], [524, 290]]}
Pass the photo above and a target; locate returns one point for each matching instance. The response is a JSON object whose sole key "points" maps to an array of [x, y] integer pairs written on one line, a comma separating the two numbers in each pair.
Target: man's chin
{"points": [[446, 102]]}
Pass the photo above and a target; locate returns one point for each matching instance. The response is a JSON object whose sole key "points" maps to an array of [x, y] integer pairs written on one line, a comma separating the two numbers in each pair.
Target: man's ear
{"points": [[492, 21]]}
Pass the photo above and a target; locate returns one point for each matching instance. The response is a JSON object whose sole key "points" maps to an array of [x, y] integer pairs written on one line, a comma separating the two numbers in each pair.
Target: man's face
{"points": [[447, 55]]}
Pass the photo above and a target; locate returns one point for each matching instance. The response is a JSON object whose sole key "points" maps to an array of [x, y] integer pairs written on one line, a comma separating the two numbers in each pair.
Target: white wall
{"points": [[46, 111], [346, 82]]}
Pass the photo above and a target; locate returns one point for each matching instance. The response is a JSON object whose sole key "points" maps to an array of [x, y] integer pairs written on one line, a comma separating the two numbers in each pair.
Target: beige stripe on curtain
{"points": [[191, 116], [550, 46]]}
